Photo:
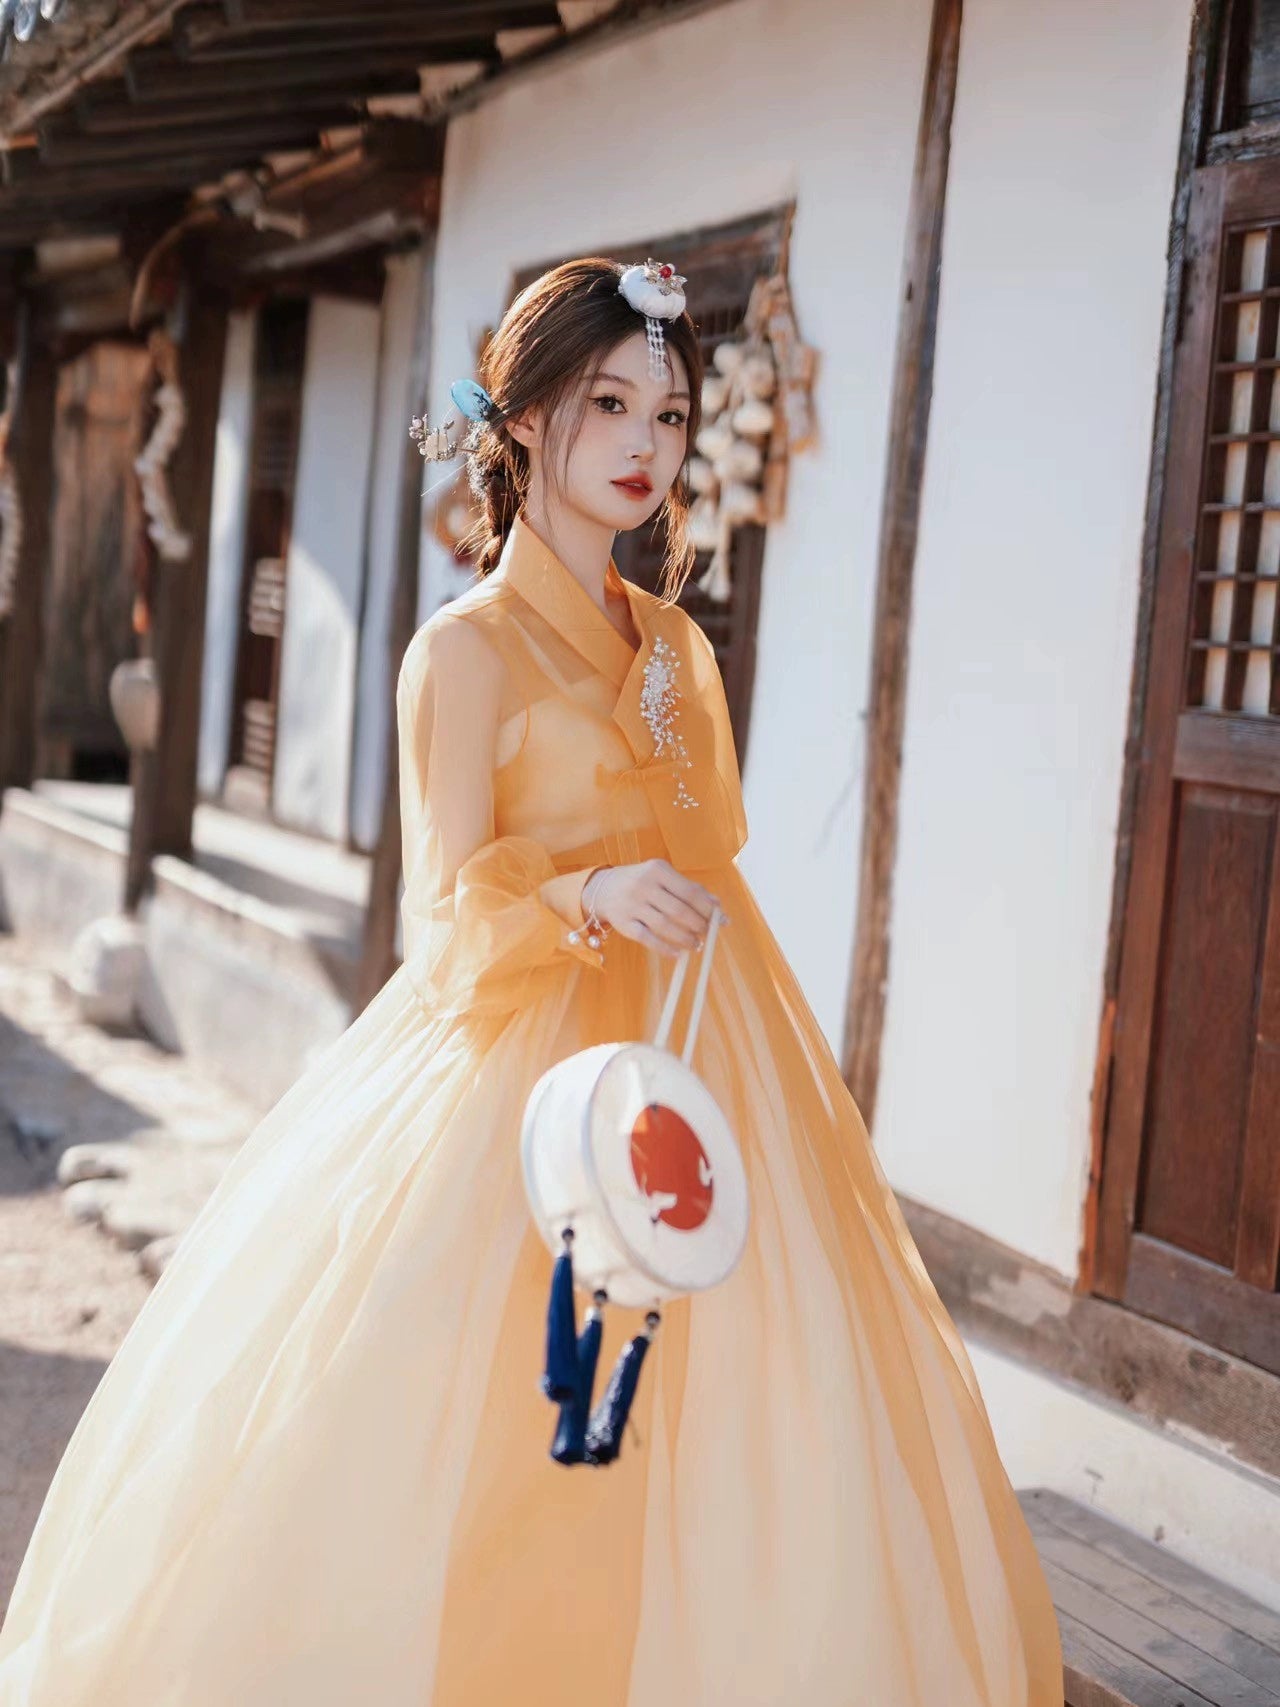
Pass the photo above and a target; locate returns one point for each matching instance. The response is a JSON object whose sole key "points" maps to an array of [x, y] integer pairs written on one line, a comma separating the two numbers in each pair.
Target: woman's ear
{"points": [[525, 428]]}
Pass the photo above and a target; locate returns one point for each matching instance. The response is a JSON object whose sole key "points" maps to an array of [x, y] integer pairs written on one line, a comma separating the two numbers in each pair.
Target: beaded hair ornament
{"points": [[655, 290]]}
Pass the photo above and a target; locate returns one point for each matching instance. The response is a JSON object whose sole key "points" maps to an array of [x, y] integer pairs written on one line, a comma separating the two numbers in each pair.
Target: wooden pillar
{"points": [[21, 633], [165, 779], [378, 954], [900, 520]]}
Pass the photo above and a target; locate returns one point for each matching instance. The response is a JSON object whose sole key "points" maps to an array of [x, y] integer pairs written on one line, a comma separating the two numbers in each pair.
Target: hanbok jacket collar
{"points": [[670, 702], [539, 576]]}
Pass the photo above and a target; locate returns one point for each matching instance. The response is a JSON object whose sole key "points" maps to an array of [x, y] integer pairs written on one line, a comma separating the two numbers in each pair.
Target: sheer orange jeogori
{"points": [[316, 1471]]}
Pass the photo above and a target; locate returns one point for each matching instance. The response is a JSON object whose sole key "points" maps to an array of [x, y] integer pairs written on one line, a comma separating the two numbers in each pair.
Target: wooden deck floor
{"points": [[1141, 1627]]}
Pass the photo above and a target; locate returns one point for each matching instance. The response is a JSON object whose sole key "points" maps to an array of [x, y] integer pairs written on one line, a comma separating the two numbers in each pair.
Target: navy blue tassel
{"points": [[560, 1377], [605, 1430], [569, 1445]]}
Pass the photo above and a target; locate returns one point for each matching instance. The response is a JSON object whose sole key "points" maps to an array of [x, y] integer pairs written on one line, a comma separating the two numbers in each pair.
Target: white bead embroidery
{"points": [[658, 708]]}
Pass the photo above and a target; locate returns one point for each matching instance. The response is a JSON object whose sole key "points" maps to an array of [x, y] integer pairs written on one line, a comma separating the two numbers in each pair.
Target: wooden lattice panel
{"points": [[1235, 615]]}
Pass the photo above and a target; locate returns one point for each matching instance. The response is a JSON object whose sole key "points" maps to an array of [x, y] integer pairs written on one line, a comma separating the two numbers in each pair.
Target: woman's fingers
{"points": [[692, 894], [682, 914], [644, 935], [668, 929]]}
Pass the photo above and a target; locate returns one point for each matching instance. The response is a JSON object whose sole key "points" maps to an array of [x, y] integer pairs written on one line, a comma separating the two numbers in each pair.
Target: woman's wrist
{"points": [[590, 889]]}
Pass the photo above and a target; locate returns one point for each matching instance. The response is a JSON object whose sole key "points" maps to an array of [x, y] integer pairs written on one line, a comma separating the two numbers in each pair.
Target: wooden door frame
{"points": [[1153, 765], [1202, 104], [1180, 747]]}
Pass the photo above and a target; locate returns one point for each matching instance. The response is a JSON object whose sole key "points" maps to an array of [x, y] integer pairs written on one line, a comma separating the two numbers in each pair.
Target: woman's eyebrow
{"points": [[621, 379]]}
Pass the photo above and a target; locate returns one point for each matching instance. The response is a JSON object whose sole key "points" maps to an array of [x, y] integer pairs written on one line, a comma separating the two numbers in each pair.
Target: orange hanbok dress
{"points": [[316, 1472]]}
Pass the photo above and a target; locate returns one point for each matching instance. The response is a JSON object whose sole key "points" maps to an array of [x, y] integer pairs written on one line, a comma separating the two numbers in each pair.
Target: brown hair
{"points": [[556, 334]]}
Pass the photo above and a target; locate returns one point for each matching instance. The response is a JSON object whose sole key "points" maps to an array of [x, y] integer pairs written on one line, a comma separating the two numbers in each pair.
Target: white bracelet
{"points": [[597, 930], [598, 872]]}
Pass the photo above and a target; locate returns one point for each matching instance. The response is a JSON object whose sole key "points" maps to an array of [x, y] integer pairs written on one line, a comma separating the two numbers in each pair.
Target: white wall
{"points": [[1053, 276], [228, 520], [400, 305], [710, 119], [325, 568]]}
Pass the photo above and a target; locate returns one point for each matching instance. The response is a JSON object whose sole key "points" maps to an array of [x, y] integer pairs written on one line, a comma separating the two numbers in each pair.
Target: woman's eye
{"points": [[672, 417]]}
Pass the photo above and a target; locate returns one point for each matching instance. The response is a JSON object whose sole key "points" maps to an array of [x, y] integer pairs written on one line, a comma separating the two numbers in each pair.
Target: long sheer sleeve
{"points": [[487, 919]]}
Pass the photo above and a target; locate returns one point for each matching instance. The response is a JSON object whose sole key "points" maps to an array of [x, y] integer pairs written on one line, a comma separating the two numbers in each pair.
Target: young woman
{"points": [[317, 1470]]}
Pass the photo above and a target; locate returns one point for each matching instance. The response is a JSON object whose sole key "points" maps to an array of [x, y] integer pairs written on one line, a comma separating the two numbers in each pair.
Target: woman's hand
{"points": [[651, 902]]}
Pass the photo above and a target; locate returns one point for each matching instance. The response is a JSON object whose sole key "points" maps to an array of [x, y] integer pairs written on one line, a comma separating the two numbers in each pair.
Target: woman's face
{"points": [[632, 441]]}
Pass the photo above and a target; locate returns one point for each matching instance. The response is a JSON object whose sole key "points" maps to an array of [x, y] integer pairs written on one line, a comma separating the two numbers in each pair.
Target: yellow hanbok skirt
{"points": [[316, 1473]]}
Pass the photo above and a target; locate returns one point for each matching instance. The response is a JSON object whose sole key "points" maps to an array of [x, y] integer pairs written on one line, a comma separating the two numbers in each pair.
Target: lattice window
{"points": [[1247, 43], [1235, 615]]}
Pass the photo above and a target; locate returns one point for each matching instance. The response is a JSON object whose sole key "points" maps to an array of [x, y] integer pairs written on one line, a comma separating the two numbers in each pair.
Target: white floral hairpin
{"points": [[655, 290], [436, 443]]}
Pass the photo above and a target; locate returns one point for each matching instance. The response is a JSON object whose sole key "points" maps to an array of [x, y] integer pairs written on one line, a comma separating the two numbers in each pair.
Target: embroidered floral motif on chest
{"points": [[658, 707]]}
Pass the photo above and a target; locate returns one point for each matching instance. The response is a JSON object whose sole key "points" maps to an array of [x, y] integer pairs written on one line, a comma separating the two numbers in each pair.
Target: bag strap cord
{"points": [[667, 1019]]}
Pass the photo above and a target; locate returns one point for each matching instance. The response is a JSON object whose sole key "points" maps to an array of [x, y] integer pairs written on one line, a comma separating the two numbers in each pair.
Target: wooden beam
{"points": [[378, 956], [25, 228], [180, 608], [97, 52], [1032, 1316], [270, 15], [359, 276], [22, 633], [165, 779], [380, 229], [200, 38], [65, 146], [95, 301], [111, 110], [157, 74], [45, 187], [899, 526]]}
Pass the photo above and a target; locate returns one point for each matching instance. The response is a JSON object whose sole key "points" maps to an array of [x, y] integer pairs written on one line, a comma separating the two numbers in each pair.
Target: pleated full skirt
{"points": [[316, 1470]]}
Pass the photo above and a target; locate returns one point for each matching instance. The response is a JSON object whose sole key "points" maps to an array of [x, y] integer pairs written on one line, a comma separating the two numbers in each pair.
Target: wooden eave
{"points": [[156, 117]]}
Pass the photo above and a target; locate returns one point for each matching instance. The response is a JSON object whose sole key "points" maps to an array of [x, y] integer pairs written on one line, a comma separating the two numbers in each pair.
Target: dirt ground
{"points": [[68, 1292]]}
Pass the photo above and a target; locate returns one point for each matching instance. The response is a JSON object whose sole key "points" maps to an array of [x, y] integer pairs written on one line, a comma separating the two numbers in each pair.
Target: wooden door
{"points": [[273, 458], [1189, 1225], [96, 540]]}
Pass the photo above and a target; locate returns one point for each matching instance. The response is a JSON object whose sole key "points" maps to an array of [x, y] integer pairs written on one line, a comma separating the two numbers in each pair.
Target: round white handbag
{"points": [[636, 1182]]}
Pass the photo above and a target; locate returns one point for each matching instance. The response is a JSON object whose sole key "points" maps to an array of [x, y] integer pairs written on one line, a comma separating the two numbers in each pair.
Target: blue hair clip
{"points": [[474, 401], [437, 444]]}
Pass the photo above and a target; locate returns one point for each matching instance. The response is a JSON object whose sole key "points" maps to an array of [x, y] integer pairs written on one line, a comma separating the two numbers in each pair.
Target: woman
{"points": [[317, 1469]]}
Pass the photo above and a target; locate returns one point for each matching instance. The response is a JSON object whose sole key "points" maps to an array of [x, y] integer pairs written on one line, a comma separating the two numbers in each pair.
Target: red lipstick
{"points": [[635, 485]]}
